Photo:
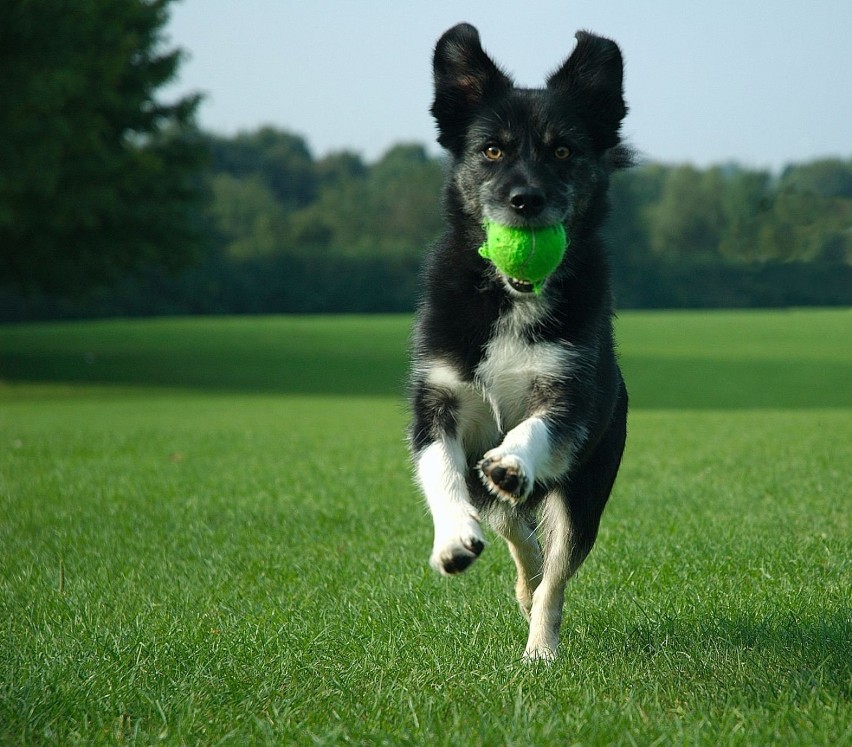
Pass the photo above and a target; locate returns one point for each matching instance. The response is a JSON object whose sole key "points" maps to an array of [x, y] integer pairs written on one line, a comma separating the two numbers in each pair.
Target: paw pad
{"points": [[505, 477]]}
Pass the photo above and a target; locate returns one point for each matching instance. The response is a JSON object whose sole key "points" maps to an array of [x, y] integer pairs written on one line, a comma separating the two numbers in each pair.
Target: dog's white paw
{"points": [[539, 655], [455, 551], [543, 641], [506, 476]]}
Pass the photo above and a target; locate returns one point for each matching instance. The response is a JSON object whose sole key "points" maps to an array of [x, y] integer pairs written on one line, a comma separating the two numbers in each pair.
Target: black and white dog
{"points": [[519, 408]]}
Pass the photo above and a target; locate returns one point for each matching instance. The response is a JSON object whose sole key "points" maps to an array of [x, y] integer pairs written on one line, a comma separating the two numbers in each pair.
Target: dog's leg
{"points": [[560, 563], [569, 523], [510, 470], [446, 411], [458, 535], [519, 533]]}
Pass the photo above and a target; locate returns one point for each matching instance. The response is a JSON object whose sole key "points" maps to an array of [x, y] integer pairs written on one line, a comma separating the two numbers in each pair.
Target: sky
{"points": [[763, 83]]}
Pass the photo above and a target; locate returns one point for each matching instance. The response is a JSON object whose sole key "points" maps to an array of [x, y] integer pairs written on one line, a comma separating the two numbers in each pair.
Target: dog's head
{"points": [[527, 157]]}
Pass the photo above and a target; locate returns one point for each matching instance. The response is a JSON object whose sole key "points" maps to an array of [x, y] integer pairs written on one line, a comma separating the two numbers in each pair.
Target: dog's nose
{"points": [[527, 201]]}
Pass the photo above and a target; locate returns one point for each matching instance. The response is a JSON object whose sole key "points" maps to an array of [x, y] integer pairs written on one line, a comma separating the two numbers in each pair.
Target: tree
{"points": [[340, 167], [406, 188], [828, 177], [687, 221], [746, 203], [98, 178], [282, 160], [249, 220]]}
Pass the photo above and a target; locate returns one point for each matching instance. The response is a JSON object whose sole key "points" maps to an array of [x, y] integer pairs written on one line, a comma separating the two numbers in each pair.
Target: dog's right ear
{"points": [[592, 77], [465, 76]]}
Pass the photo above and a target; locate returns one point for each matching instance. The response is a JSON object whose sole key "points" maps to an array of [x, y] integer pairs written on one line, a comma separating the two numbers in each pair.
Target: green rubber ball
{"points": [[526, 254]]}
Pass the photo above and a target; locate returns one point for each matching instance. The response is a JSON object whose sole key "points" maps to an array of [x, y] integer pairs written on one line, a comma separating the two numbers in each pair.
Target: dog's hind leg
{"points": [[570, 518], [559, 564], [519, 532]]}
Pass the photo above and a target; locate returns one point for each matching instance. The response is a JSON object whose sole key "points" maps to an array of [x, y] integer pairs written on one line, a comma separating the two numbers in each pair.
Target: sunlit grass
{"points": [[204, 566]]}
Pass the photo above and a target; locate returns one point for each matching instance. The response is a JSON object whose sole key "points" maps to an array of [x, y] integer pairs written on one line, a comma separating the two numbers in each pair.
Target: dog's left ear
{"points": [[592, 77]]}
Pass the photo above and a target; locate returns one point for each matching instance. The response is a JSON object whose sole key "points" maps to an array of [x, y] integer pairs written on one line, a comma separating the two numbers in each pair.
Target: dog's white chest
{"points": [[510, 368]]}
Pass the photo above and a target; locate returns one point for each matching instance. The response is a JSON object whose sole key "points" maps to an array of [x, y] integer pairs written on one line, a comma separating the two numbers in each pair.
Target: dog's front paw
{"points": [[453, 554], [506, 476]]}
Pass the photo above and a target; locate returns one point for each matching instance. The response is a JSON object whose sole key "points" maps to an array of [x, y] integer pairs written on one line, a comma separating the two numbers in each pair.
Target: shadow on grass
{"points": [[676, 383], [761, 657], [273, 355], [658, 384], [320, 374], [366, 356]]}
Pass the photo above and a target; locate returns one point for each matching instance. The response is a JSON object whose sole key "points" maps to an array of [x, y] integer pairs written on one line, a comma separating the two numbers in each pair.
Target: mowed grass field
{"points": [[209, 535]]}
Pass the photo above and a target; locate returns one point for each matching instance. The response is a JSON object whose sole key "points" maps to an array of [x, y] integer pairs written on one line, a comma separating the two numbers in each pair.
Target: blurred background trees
{"points": [[98, 178], [113, 203]]}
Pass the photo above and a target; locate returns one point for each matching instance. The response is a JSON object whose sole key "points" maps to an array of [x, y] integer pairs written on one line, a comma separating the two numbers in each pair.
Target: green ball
{"points": [[526, 254]]}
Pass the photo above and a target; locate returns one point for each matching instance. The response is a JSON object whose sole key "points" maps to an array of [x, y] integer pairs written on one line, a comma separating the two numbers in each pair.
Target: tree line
{"points": [[284, 231], [114, 203]]}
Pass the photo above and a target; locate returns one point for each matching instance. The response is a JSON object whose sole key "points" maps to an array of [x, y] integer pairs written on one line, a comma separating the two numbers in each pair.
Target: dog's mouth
{"points": [[521, 286]]}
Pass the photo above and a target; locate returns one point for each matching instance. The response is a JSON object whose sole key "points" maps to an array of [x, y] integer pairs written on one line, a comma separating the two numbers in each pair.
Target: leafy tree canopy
{"points": [[97, 176]]}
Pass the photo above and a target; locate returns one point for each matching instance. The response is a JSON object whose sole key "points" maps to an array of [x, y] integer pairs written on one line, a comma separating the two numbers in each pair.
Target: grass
{"points": [[209, 535]]}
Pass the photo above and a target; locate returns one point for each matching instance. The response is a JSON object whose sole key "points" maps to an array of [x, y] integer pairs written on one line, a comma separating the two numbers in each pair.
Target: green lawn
{"points": [[209, 535]]}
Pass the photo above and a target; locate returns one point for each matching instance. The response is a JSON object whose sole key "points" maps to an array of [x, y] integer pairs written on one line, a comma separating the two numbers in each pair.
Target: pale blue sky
{"points": [[762, 82]]}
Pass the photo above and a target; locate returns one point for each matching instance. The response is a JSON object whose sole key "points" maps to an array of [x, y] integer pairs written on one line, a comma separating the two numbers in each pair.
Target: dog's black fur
{"points": [[519, 407]]}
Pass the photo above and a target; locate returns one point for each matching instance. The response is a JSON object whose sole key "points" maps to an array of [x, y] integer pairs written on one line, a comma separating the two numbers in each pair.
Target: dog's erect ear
{"points": [[465, 76], [592, 78]]}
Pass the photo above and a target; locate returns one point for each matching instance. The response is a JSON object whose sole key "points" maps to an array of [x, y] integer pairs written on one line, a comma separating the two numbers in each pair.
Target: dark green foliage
{"points": [[281, 160], [97, 177], [349, 236], [390, 209], [103, 189], [826, 178], [731, 237]]}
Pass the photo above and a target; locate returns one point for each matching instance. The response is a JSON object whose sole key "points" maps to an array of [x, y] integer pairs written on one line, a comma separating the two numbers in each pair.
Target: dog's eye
{"points": [[562, 152], [493, 153]]}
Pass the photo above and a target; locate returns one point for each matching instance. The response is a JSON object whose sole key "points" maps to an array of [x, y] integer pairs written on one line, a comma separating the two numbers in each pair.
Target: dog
{"points": [[519, 409]]}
